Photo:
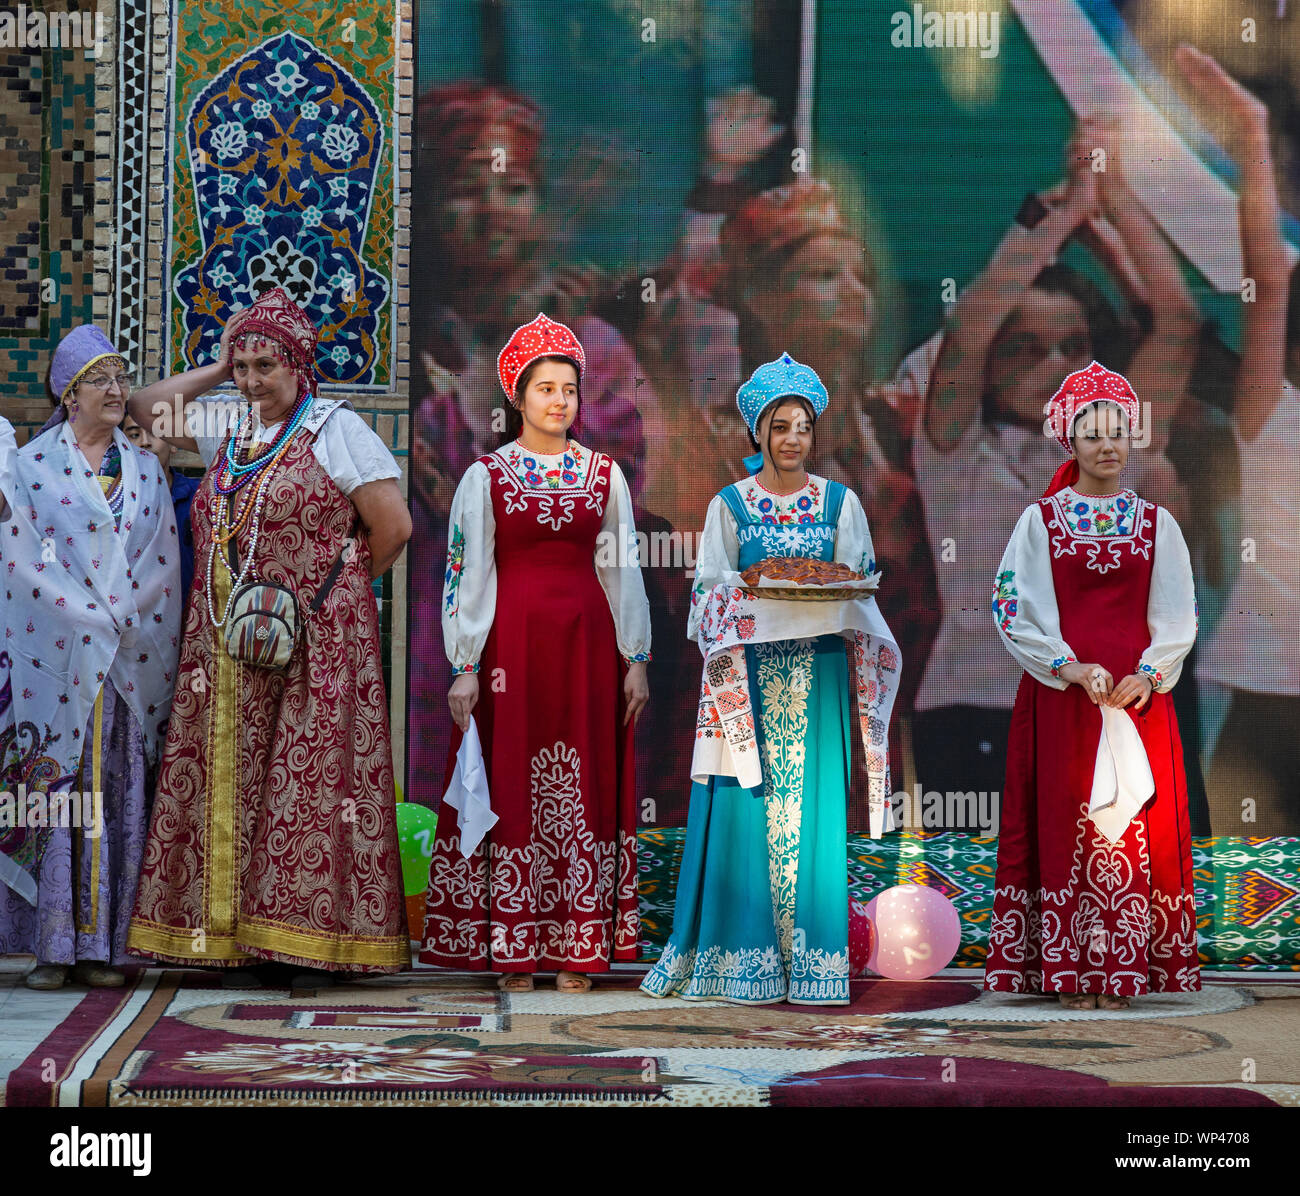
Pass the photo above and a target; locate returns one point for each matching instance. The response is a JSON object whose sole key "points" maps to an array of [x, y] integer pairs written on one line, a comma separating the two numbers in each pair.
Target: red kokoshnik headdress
{"points": [[541, 337], [768, 227], [457, 118], [293, 336], [776, 220], [1084, 388]]}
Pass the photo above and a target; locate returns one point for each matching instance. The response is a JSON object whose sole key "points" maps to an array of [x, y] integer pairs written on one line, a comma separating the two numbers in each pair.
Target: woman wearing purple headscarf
{"points": [[91, 609]]}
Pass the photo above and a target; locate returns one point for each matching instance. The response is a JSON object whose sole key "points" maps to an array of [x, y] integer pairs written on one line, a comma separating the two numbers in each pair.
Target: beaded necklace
{"points": [[116, 499], [115, 493], [110, 470], [234, 473], [226, 523]]}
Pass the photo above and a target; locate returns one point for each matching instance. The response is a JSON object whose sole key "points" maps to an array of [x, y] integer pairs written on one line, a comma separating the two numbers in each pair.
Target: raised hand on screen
{"points": [[1245, 115], [740, 131]]}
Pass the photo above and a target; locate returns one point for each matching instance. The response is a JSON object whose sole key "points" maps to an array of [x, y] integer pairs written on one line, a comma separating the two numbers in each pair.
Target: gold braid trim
{"points": [[85, 369]]}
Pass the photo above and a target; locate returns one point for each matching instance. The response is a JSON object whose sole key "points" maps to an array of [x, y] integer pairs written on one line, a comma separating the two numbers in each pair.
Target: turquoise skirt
{"points": [[762, 894]]}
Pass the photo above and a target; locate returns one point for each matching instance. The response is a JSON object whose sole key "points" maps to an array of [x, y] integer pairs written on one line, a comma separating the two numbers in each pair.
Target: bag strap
{"points": [[335, 569], [330, 578]]}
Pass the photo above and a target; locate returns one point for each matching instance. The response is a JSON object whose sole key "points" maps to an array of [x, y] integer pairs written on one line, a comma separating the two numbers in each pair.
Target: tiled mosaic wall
{"points": [[46, 240], [283, 122], [112, 188]]}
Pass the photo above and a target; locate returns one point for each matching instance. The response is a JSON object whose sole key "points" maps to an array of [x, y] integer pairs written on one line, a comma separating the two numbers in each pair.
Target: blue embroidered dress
{"points": [[762, 894]]}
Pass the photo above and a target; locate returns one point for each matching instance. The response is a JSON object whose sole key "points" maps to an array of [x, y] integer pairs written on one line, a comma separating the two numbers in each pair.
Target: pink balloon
{"points": [[859, 939], [915, 932]]}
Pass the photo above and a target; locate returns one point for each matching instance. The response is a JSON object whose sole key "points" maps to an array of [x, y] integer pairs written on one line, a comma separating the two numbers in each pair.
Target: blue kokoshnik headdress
{"points": [[783, 378]]}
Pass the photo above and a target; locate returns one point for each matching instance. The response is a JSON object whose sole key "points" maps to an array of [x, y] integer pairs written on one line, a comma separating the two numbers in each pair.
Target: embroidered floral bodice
{"points": [[548, 471], [1098, 514], [800, 506], [1105, 534], [550, 490]]}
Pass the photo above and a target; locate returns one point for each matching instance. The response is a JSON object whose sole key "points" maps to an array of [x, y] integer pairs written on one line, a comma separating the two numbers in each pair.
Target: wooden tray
{"points": [[811, 594]]}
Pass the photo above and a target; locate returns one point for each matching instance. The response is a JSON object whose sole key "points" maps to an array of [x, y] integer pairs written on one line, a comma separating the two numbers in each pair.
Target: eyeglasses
{"points": [[105, 382]]}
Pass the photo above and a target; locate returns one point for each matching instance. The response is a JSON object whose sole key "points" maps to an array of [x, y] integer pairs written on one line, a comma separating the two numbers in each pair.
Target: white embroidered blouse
{"points": [[1024, 597], [719, 549], [470, 587]]}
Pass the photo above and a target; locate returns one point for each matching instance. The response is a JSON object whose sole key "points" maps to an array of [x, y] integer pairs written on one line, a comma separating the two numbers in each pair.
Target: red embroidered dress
{"points": [[274, 831], [1106, 580], [543, 595]]}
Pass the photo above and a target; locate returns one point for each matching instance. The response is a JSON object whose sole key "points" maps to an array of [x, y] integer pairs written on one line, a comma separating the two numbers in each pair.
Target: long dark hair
{"points": [[515, 417]]}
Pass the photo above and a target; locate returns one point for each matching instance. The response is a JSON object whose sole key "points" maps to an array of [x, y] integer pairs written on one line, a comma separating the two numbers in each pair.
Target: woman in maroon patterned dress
{"points": [[274, 830], [483, 256]]}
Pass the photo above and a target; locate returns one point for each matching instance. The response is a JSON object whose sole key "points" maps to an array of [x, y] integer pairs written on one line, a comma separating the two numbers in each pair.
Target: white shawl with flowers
{"points": [[83, 600], [732, 617]]}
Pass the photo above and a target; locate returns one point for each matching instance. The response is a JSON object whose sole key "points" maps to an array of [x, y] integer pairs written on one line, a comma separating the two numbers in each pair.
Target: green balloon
{"points": [[415, 828]]}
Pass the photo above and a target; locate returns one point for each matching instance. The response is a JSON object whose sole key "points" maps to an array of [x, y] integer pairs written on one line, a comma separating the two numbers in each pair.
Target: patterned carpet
{"points": [[430, 1038], [1247, 891], [175, 1038]]}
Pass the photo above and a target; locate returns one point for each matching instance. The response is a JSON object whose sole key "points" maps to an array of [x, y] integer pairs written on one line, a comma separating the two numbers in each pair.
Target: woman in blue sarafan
{"points": [[762, 894]]}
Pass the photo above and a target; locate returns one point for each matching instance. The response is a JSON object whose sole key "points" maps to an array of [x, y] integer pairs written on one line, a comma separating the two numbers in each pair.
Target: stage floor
{"points": [[174, 1037]]}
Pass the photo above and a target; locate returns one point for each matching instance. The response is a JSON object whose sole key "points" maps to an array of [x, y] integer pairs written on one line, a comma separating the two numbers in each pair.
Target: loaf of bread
{"points": [[800, 570]]}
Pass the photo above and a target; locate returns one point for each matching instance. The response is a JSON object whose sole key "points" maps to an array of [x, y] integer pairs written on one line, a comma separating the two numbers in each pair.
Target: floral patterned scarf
{"points": [[90, 598]]}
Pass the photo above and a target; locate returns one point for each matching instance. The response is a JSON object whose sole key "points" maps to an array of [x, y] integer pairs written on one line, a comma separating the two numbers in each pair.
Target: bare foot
{"points": [[1078, 1000], [572, 982], [515, 982], [1108, 1002]]}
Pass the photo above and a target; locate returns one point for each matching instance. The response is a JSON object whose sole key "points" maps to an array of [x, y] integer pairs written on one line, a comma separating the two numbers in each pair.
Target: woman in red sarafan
{"points": [[1094, 897], [542, 596]]}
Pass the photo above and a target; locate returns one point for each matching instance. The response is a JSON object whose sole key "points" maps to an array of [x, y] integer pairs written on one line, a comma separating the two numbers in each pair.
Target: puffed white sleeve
{"points": [[853, 545], [207, 419], [1171, 606], [352, 453], [718, 553], [469, 592], [1024, 603], [618, 566]]}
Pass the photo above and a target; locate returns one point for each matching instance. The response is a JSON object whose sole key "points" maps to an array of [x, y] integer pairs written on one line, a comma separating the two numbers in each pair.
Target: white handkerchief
{"points": [[467, 793], [1121, 779]]}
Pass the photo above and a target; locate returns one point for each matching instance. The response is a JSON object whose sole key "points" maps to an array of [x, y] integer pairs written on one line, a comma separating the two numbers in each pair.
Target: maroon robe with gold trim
{"points": [[274, 831]]}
